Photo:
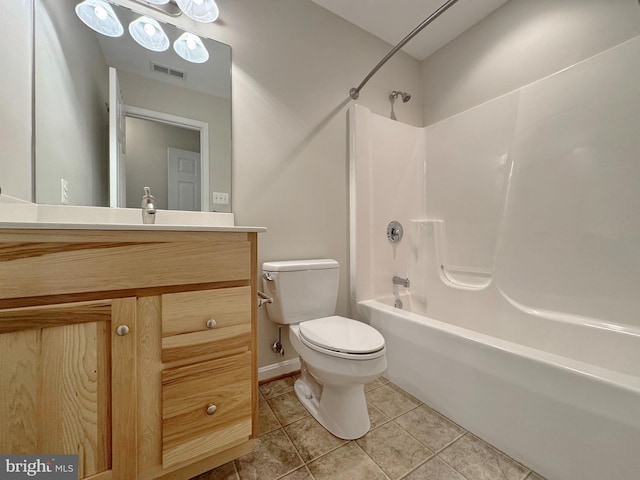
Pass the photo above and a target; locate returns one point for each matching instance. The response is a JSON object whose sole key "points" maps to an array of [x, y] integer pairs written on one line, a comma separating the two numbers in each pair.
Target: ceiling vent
{"points": [[168, 71]]}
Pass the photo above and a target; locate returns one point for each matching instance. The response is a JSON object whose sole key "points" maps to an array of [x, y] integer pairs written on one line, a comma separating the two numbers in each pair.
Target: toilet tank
{"points": [[301, 289]]}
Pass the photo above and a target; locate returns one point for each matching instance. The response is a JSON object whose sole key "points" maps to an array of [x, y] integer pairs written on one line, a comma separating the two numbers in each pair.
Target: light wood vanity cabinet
{"points": [[60, 368], [134, 349]]}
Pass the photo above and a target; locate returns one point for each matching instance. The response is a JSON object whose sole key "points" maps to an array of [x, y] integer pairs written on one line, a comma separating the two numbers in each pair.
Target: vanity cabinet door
{"points": [[68, 384]]}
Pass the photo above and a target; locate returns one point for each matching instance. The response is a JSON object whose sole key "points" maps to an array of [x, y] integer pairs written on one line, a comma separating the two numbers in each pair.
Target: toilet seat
{"points": [[342, 337]]}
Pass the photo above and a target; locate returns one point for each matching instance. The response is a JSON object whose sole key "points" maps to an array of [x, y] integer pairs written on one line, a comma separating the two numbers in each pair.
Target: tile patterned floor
{"points": [[408, 440]]}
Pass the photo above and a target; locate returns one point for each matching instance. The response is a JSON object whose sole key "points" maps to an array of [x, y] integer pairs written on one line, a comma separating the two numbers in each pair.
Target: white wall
{"points": [[522, 41], [15, 99], [292, 75], [71, 129]]}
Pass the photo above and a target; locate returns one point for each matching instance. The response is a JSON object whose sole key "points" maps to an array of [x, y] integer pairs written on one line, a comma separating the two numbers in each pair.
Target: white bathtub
{"points": [[564, 417]]}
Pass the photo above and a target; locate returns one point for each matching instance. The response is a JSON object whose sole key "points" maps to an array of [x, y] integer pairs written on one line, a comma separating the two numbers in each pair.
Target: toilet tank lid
{"points": [[300, 265]]}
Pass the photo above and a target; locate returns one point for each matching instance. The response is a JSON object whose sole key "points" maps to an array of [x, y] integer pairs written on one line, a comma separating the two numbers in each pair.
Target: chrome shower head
{"points": [[403, 95]]}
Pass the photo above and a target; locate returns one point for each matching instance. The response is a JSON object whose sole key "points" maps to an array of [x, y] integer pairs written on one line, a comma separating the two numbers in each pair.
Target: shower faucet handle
{"points": [[394, 231]]}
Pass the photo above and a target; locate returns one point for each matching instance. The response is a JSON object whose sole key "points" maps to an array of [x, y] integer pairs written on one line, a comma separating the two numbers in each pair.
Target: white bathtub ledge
{"points": [[613, 378]]}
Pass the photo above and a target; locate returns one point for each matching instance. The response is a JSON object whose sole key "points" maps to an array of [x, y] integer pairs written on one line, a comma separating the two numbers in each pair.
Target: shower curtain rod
{"points": [[355, 91]]}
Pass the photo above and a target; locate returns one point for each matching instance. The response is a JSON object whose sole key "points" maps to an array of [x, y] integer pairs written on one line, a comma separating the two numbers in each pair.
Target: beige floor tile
{"points": [[300, 474], [348, 462], [273, 456], [267, 421], [477, 460], [277, 387], [394, 450], [375, 384], [287, 408], [376, 417], [311, 439], [393, 385], [434, 469], [391, 401], [430, 428], [535, 476], [223, 472]]}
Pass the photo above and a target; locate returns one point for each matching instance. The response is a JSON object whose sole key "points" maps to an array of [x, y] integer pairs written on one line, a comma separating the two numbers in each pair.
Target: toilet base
{"points": [[342, 410]]}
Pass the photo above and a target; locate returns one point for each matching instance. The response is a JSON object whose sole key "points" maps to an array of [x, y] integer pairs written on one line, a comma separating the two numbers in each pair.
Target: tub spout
{"points": [[401, 281]]}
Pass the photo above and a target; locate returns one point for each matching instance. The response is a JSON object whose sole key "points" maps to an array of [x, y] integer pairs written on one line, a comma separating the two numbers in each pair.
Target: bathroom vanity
{"points": [[134, 348]]}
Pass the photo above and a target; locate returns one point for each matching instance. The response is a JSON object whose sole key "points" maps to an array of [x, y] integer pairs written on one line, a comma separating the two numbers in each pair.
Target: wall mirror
{"points": [[111, 116]]}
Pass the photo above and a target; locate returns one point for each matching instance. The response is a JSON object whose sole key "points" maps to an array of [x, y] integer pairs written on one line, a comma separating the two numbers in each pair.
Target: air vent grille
{"points": [[168, 71]]}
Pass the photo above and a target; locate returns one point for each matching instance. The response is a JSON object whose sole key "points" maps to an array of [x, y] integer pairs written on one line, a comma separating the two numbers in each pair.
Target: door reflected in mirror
{"points": [[106, 150], [177, 184]]}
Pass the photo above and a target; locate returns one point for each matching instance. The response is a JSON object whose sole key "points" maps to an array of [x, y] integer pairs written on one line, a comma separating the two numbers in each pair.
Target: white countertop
{"points": [[17, 214], [126, 226]]}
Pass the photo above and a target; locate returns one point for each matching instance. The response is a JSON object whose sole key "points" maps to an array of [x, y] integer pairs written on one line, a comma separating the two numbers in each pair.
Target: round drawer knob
{"points": [[122, 330], [211, 323], [211, 409]]}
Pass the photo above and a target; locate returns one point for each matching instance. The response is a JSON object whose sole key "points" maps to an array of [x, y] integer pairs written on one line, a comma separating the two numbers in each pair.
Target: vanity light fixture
{"points": [[148, 33], [99, 15], [205, 11], [191, 48], [167, 7]]}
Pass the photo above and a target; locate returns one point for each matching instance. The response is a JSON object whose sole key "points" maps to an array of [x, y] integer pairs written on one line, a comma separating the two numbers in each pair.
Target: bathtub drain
{"points": [[397, 303]]}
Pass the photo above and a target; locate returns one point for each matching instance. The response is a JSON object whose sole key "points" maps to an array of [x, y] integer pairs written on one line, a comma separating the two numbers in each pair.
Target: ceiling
{"points": [[392, 20]]}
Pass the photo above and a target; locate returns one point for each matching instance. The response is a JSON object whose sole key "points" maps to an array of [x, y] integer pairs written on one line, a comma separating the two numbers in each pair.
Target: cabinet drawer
{"points": [[188, 429], [189, 312], [79, 263], [184, 323]]}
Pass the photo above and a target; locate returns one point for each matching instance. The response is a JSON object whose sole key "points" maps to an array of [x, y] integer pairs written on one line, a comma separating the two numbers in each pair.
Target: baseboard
{"points": [[278, 369]]}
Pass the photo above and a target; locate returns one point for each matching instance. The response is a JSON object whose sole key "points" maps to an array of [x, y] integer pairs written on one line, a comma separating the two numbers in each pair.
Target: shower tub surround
{"points": [[520, 244]]}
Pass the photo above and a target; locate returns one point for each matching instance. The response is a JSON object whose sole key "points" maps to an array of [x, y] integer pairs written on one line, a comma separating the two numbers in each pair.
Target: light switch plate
{"points": [[64, 192], [220, 198]]}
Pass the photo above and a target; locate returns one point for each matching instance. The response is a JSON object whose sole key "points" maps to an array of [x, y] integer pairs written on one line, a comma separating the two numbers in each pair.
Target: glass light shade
{"points": [[191, 48], [148, 33], [205, 11], [99, 16]]}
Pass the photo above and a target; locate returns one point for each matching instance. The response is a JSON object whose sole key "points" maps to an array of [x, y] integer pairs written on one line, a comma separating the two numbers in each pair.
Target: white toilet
{"points": [[338, 355]]}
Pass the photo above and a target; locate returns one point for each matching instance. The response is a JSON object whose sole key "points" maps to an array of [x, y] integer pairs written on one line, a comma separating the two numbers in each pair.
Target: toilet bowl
{"points": [[331, 385], [338, 355]]}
